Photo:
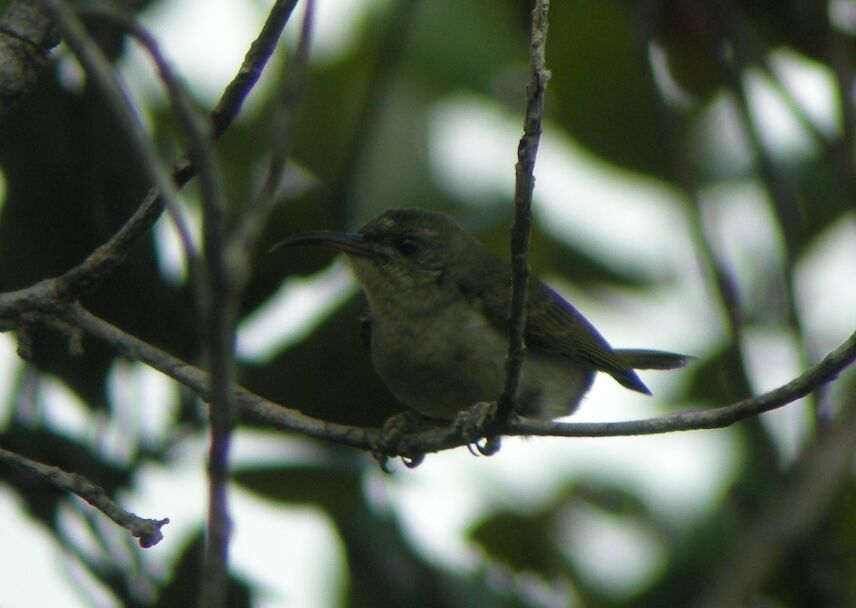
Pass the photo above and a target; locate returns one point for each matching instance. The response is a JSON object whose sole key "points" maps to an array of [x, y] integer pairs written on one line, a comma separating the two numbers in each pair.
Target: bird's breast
{"points": [[439, 361]]}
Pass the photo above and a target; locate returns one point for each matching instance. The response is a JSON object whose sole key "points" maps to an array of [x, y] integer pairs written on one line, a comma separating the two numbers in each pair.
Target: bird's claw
{"points": [[393, 430], [473, 425]]}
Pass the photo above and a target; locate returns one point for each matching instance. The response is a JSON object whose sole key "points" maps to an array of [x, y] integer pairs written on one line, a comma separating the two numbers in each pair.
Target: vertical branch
{"points": [[527, 151], [219, 325], [219, 308], [227, 261]]}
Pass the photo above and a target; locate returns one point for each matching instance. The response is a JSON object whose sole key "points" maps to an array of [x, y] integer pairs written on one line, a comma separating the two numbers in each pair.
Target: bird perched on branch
{"points": [[439, 305]]}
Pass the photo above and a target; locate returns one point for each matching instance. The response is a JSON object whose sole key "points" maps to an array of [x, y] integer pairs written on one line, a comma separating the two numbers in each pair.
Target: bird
{"points": [[439, 312]]}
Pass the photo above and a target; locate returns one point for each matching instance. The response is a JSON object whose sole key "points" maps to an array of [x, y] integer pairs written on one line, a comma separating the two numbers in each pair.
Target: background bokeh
{"points": [[695, 193]]}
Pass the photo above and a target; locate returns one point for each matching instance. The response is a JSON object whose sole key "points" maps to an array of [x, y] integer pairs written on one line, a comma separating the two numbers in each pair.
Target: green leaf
{"points": [[600, 90]]}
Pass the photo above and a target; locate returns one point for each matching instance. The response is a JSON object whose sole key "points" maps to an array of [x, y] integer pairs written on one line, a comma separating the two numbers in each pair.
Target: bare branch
{"points": [[442, 438], [148, 531], [226, 261], [197, 380], [236, 92], [527, 151]]}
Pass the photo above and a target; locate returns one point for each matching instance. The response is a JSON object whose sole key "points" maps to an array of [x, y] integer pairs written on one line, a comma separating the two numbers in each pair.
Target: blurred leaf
{"points": [[690, 564], [336, 490], [689, 34], [524, 543], [467, 44], [825, 194], [601, 92], [610, 498], [718, 378], [804, 26]]}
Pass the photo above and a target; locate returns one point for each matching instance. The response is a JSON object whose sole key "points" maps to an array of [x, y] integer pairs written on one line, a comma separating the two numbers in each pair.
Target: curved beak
{"points": [[347, 242]]}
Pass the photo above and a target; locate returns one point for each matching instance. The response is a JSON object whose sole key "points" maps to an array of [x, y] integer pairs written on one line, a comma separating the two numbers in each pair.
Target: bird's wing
{"points": [[554, 327]]}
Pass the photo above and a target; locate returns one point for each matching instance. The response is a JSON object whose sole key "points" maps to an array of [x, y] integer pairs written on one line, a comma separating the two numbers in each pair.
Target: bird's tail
{"points": [[637, 358]]}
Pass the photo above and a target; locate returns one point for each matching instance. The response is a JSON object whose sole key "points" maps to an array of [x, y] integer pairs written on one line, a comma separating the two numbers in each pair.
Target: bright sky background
{"points": [[473, 146]]}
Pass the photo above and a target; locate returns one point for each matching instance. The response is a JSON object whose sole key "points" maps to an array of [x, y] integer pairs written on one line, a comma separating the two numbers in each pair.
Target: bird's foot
{"points": [[474, 426], [394, 429]]}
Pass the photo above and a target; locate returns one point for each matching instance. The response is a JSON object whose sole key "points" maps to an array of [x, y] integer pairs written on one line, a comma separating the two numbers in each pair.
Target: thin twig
{"points": [[225, 279], [219, 309], [527, 152], [232, 100], [146, 530]]}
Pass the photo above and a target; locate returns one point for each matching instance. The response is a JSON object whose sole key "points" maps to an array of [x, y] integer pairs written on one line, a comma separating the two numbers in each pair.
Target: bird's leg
{"points": [[474, 424], [394, 429]]}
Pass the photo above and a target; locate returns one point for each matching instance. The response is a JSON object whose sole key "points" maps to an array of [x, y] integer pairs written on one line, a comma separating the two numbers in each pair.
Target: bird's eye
{"points": [[408, 246]]}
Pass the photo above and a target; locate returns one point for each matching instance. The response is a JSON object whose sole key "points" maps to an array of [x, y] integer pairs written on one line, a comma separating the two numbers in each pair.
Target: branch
{"points": [[147, 530], [228, 270], [527, 151], [230, 103], [197, 380], [27, 34], [446, 437]]}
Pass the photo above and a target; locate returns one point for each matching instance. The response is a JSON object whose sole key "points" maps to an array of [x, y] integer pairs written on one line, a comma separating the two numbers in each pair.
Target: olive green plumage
{"points": [[439, 313]]}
